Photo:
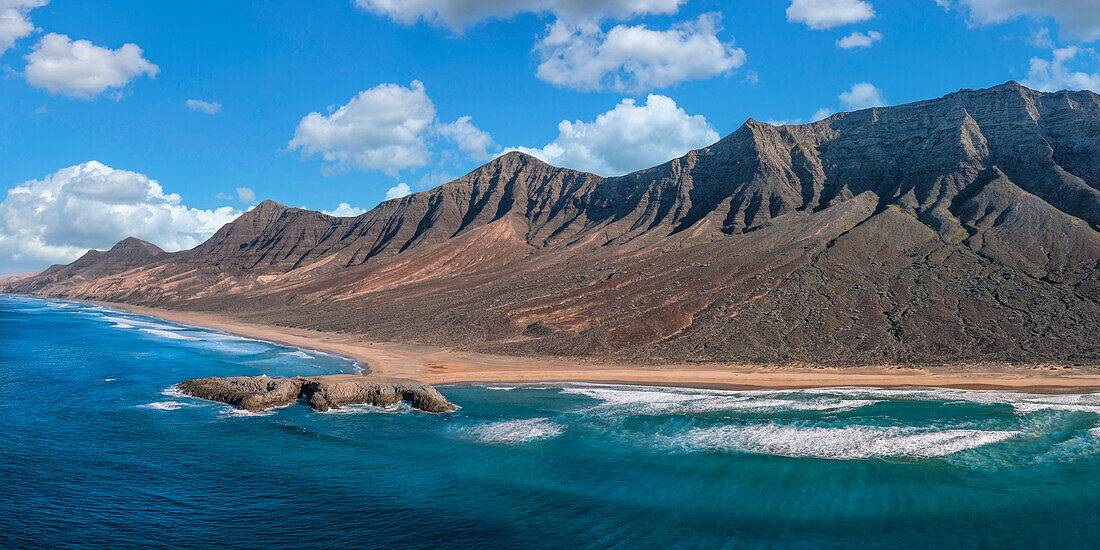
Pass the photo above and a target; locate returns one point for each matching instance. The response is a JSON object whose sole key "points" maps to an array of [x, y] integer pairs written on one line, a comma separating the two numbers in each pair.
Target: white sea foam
{"points": [[847, 443], [1023, 403], [168, 334], [164, 405], [233, 412], [299, 354], [399, 407], [173, 391], [135, 322], [1095, 432], [641, 400], [510, 387], [517, 431], [121, 325], [109, 379]]}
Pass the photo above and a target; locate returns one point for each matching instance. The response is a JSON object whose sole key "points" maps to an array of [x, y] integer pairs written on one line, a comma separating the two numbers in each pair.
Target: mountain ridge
{"points": [[956, 229]]}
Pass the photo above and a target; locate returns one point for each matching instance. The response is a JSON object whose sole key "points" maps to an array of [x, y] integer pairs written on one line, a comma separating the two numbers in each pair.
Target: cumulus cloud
{"points": [[344, 210], [859, 40], [826, 14], [383, 128], [863, 95], [1055, 74], [821, 114], [398, 191], [634, 58], [389, 128], [434, 178], [1079, 18], [627, 138], [15, 22], [245, 194], [469, 138], [208, 107], [78, 68], [461, 13], [60, 217]]}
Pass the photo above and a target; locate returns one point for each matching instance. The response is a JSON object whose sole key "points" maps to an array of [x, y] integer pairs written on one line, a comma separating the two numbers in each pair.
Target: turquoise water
{"points": [[97, 451]]}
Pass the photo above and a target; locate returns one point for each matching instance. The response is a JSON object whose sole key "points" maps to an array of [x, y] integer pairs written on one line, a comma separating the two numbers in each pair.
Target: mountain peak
{"points": [[517, 158], [131, 243], [270, 206]]}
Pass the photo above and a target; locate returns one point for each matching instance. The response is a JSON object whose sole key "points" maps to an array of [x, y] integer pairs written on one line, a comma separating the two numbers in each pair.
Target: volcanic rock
{"points": [[258, 393]]}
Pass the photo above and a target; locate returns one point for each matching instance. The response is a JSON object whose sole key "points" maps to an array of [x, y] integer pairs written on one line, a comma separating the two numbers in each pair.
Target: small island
{"points": [[259, 393]]}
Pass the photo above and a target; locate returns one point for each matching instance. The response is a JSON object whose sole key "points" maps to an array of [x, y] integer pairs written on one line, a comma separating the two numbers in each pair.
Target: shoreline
{"points": [[436, 365], [441, 366]]}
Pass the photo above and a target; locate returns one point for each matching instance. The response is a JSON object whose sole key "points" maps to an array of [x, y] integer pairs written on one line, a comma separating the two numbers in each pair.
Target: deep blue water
{"points": [[96, 451]]}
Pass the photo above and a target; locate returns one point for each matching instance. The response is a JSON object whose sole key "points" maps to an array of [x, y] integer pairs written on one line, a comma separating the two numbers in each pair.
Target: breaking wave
{"points": [[643, 400], [847, 443], [164, 405], [167, 334], [399, 407], [517, 431]]}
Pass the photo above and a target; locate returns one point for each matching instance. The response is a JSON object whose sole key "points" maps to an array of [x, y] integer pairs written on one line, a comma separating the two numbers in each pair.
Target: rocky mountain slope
{"points": [[956, 230]]}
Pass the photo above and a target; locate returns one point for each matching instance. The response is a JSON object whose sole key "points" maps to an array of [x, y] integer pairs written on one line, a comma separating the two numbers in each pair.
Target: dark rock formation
{"points": [[956, 230], [337, 390], [250, 393], [257, 393]]}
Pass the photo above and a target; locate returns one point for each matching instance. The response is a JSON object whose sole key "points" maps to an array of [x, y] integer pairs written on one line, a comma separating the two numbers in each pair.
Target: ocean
{"points": [[98, 451]]}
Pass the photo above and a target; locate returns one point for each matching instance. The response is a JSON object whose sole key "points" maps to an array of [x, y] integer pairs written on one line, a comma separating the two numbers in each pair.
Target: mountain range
{"points": [[958, 230]]}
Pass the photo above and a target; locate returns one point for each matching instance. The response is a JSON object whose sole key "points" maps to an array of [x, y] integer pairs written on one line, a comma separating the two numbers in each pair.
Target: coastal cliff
{"points": [[258, 393]]}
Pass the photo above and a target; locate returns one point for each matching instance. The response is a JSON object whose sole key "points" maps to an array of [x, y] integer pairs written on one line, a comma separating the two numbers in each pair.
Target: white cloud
{"points": [[398, 191], [208, 107], [460, 13], [434, 178], [821, 114], [58, 218], [15, 23], [826, 14], [388, 127], [78, 68], [784, 121], [344, 210], [1079, 18], [863, 95], [383, 128], [245, 194], [224, 197], [469, 138], [627, 138], [637, 58], [1041, 39], [859, 40], [1054, 74]]}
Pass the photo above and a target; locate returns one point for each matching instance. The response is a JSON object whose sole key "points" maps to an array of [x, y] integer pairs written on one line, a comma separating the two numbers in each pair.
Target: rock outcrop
{"points": [[958, 230], [258, 393], [335, 391], [250, 393]]}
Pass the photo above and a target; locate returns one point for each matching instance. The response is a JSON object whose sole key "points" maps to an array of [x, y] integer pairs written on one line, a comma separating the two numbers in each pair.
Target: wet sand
{"points": [[435, 365]]}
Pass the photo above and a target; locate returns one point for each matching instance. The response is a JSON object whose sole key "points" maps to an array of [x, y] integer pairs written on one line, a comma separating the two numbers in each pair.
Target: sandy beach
{"points": [[437, 365]]}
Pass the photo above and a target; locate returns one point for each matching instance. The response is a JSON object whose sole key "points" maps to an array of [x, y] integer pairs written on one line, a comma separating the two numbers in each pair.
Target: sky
{"points": [[165, 120]]}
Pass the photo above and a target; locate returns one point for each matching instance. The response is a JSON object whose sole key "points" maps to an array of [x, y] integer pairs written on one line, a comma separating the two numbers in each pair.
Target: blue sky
{"points": [[417, 68]]}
